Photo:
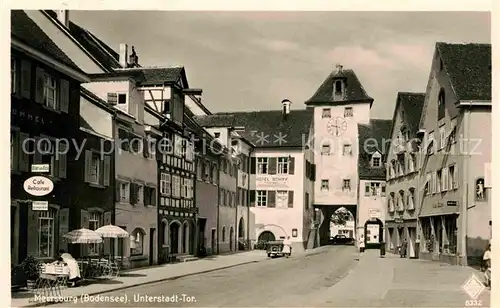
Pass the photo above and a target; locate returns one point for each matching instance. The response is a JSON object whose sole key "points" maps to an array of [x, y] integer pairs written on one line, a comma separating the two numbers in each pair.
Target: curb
{"points": [[149, 282]]}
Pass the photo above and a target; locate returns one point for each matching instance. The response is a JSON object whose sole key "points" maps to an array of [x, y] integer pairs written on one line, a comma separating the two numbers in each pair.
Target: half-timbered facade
{"points": [[164, 91]]}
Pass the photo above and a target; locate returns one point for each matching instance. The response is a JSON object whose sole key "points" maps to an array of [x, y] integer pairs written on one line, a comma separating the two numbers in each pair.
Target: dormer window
{"points": [[376, 160], [338, 87], [122, 98], [217, 135]]}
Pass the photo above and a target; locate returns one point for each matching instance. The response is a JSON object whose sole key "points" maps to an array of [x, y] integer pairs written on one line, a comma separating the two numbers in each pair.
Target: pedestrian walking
{"points": [[402, 251], [361, 244]]}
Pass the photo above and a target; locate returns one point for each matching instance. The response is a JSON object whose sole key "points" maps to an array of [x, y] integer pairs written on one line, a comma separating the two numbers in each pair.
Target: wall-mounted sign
{"points": [[374, 213], [38, 186], [294, 232], [40, 206], [398, 220], [438, 204], [272, 181], [452, 203], [22, 114], [40, 168]]}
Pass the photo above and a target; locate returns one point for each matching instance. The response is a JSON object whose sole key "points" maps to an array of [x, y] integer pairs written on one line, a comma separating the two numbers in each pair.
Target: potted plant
{"points": [[31, 268]]}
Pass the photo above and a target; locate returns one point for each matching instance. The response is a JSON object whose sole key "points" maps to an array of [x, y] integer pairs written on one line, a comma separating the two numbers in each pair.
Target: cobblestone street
{"points": [[329, 277]]}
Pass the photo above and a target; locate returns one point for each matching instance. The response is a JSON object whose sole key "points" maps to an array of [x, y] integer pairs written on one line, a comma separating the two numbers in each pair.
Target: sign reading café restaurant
{"points": [[272, 181]]}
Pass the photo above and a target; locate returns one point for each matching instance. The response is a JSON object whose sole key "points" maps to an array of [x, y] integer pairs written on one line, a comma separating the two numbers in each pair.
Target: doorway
{"points": [[231, 239], [174, 237], [151, 245], [266, 236], [412, 232]]}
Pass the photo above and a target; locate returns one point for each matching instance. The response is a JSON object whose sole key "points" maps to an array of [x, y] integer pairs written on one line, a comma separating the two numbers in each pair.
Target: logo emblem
{"points": [[473, 287]]}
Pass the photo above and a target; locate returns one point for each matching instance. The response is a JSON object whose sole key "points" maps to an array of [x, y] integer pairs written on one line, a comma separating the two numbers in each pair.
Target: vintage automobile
{"points": [[341, 239], [275, 249]]}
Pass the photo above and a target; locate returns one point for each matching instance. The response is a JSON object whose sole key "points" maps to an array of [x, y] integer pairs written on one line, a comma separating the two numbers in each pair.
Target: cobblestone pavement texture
{"points": [[328, 277]]}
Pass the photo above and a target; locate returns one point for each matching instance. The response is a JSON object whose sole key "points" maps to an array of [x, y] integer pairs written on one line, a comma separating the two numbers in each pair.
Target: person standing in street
{"points": [[287, 247], [361, 244], [487, 265]]}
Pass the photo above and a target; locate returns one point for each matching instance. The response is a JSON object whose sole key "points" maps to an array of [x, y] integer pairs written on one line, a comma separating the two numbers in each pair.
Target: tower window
{"points": [[338, 87]]}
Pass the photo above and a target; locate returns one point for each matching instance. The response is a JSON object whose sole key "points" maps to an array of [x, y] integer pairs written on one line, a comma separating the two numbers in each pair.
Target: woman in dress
{"points": [[287, 246]]}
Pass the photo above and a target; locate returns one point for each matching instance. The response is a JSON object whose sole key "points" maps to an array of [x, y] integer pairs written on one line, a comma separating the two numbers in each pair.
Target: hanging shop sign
{"points": [[38, 186], [40, 168], [40, 205]]}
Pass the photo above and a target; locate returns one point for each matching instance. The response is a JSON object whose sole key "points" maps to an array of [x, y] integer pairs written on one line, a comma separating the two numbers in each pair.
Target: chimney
{"points": [[339, 68], [63, 17], [123, 55], [133, 59], [286, 108]]}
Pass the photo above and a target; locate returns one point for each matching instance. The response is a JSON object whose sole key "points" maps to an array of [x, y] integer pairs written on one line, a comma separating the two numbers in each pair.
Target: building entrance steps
{"points": [[397, 282]]}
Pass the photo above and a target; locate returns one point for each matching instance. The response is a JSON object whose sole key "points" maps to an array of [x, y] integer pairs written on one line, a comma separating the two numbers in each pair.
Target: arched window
{"points": [[338, 87], [137, 242]]}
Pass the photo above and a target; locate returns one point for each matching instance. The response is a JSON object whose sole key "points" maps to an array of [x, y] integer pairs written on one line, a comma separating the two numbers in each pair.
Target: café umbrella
{"points": [[111, 231], [82, 236]]}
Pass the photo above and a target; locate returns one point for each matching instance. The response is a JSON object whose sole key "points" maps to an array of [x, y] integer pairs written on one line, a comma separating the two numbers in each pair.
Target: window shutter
{"points": [[291, 165], [271, 198], [367, 189], [88, 165], [40, 85], [84, 219], [106, 170], [17, 149], [252, 197], [253, 165], [24, 158], [290, 198], [153, 196], [25, 79], [63, 161], [112, 98], [313, 172], [63, 227], [271, 165], [64, 96], [145, 147], [37, 159], [118, 191], [133, 193], [32, 224]]}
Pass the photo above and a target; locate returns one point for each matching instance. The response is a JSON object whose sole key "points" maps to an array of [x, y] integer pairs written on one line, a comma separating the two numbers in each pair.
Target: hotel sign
{"points": [[272, 181]]}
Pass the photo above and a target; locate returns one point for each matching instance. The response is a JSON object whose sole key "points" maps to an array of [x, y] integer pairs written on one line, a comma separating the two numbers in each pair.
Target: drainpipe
{"points": [[465, 203], [249, 162], [218, 204]]}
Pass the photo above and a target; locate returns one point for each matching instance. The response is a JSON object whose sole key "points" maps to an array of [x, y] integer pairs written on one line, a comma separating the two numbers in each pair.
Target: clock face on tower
{"points": [[337, 126]]}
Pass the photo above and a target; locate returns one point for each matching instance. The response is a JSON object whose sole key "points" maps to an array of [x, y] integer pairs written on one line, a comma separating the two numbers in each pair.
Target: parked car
{"points": [[341, 239], [275, 249]]}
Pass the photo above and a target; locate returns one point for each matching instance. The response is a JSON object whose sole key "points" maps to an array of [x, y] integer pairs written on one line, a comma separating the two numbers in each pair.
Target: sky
{"points": [[247, 61]]}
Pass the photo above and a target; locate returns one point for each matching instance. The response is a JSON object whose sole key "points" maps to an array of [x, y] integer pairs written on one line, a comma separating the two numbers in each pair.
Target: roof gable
{"points": [[372, 139], [27, 31], [412, 105], [354, 89], [101, 52], [469, 69], [265, 129]]}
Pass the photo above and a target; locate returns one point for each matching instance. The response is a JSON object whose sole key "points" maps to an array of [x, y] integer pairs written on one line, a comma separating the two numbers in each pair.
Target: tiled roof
{"points": [[469, 69], [354, 91], [265, 129], [412, 104], [97, 48], [27, 31], [372, 138], [162, 75]]}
